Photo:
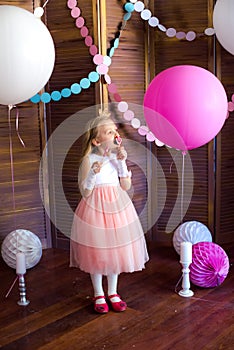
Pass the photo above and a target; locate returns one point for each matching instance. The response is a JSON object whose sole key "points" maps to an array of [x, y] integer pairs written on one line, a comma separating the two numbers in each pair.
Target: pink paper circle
{"points": [[180, 35], [75, 12], [107, 78], [230, 106], [171, 32], [80, 22], [117, 97], [93, 50], [102, 69], [84, 31], [150, 137], [162, 27], [98, 59], [71, 4], [143, 130], [153, 21], [112, 88], [128, 115], [190, 36], [159, 143], [123, 106], [135, 122], [88, 40]]}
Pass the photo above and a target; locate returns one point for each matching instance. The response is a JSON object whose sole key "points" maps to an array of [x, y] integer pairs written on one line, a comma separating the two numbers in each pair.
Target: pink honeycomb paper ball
{"points": [[210, 265]]}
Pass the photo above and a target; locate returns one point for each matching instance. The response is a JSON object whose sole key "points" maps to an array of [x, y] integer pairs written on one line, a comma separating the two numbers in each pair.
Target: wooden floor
{"points": [[60, 313]]}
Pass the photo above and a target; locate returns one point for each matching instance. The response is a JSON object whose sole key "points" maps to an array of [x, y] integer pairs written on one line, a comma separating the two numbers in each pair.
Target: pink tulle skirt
{"points": [[107, 236]]}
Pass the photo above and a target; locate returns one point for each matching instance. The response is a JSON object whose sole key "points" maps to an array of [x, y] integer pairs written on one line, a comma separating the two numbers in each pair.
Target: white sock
{"points": [[97, 286], [112, 281]]}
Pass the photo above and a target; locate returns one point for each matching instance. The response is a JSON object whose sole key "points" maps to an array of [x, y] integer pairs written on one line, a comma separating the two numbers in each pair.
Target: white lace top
{"points": [[109, 172]]}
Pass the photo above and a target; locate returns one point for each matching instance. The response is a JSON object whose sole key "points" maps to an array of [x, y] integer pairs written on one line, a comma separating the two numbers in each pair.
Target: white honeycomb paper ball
{"points": [[23, 241], [191, 231]]}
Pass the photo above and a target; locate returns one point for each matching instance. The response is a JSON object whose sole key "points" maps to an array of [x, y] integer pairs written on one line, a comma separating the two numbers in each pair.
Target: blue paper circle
{"points": [[85, 83], [56, 95], [36, 98], [93, 77], [66, 92], [75, 88], [127, 16], [112, 50], [129, 7], [45, 97], [116, 43]]}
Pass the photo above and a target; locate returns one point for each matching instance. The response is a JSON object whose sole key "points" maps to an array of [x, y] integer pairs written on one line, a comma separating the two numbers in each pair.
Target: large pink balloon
{"points": [[185, 106]]}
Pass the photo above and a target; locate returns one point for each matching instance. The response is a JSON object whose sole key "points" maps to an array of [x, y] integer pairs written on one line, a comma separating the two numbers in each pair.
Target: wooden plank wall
{"points": [[212, 165], [212, 201], [29, 212]]}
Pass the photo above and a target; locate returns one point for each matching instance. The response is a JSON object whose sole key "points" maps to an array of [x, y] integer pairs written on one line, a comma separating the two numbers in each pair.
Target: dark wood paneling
{"points": [[128, 73], [22, 176], [170, 52], [73, 62], [225, 188]]}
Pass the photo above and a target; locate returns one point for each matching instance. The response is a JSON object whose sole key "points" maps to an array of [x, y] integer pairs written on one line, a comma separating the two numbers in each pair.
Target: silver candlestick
{"points": [[22, 288]]}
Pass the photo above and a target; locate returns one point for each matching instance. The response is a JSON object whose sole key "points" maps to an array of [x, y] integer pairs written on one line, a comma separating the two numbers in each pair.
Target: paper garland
{"points": [[153, 21], [103, 62]]}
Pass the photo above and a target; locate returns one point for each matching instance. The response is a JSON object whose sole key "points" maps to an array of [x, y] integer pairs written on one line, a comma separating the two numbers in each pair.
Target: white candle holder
{"points": [[20, 271], [185, 260], [185, 291]]}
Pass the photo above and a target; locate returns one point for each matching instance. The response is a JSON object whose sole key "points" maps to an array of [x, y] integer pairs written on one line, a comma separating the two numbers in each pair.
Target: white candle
{"points": [[20, 264], [186, 252]]}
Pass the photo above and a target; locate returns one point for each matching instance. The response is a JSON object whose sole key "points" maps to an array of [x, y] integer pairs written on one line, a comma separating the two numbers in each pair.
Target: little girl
{"points": [[107, 237]]}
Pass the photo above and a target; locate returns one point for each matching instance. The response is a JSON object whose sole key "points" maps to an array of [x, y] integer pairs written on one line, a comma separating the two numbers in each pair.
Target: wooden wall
{"points": [[142, 53], [21, 175], [212, 164]]}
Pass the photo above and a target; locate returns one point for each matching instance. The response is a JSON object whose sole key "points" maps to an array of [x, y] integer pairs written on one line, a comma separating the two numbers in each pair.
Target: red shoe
{"points": [[100, 308], [118, 305]]}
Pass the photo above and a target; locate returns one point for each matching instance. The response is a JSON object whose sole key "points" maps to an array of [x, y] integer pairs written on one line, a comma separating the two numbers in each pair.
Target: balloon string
{"points": [[11, 287], [182, 189], [45, 3], [12, 160], [173, 162], [100, 49], [17, 126]]}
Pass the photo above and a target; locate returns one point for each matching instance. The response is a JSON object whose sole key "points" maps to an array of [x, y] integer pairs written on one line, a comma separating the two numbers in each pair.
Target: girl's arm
{"points": [[125, 183], [124, 174], [87, 176]]}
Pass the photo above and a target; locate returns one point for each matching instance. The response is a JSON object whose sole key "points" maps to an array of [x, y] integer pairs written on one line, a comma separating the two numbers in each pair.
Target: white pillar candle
{"points": [[20, 264], [186, 252]]}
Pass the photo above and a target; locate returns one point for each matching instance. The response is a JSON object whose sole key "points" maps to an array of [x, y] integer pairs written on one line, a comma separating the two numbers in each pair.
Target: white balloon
{"points": [[223, 23], [27, 55]]}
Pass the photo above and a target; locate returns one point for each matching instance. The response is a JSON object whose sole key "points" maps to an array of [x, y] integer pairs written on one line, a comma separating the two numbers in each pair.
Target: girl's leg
{"points": [[112, 281], [100, 304], [97, 287], [116, 302]]}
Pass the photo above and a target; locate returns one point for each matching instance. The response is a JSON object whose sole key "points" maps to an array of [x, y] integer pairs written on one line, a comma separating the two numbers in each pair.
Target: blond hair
{"points": [[92, 131]]}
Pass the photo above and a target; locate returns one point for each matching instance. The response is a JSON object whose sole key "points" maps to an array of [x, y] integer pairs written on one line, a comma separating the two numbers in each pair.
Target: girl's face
{"points": [[106, 135]]}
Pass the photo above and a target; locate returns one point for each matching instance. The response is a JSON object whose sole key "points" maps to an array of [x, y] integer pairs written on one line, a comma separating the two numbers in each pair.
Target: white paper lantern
{"points": [[191, 231], [23, 241]]}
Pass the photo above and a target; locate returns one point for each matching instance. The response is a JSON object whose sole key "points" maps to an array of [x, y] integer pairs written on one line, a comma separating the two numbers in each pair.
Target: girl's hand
{"points": [[121, 153], [96, 167]]}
